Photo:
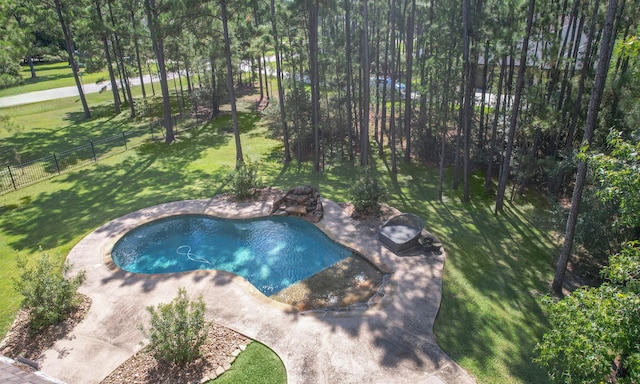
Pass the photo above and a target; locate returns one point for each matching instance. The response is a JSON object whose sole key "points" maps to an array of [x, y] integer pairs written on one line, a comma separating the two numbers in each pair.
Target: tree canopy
{"points": [[595, 331]]}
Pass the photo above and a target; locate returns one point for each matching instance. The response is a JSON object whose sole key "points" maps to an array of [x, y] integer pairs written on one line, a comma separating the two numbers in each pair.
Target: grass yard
{"points": [[31, 131], [497, 268], [50, 76], [252, 365]]}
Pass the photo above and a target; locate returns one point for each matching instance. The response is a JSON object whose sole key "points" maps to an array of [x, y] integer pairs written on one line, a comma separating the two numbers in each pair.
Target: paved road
{"points": [[58, 93]]}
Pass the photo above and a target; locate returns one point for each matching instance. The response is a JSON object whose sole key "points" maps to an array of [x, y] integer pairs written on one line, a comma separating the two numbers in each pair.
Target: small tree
{"points": [[177, 330], [47, 293], [244, 180], [367, 192], [595, 331]]}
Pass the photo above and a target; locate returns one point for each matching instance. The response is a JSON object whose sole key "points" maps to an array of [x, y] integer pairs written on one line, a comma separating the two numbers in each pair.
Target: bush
{"points": [[9, 72], [244, 180], [48, 294], [594, 332], [367, 192], [178, 330]]}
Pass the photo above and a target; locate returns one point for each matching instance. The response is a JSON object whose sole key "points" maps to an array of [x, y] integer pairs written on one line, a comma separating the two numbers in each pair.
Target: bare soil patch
{"points": [[218, 352]]}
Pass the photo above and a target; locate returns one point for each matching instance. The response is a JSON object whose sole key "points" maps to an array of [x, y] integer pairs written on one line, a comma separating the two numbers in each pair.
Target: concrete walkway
{"points": [[394, 344]]}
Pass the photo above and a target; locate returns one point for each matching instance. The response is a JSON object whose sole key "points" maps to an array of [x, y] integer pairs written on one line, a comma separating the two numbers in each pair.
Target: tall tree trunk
{"points": [[266, 77], [494, 127], [315, 81], [153, 88], [408, 105], [559, 59], [586, 66], [443, 119], [347, 27], [187, 72], [606, 47], [558, 180], [259, 78], [122, 64], [515, 108], [283, 115], [158, 48], [215, 106], [392, 122], [443, 147], [565, 86], [366, 97], [529, 166], [383, 124], [232, 92], [468, 94], [470, 119], [112, 76], [32, 68], [119, 69], [136, 44], [483, 103], [459, 132], [182, 103], [376, 113], [425, 113], [72, 61]]}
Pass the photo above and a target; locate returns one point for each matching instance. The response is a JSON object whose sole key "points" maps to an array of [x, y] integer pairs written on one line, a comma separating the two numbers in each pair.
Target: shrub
{"points": [[47, 293], [244, 180], [9, 73], [367, 192], [177, 330]]}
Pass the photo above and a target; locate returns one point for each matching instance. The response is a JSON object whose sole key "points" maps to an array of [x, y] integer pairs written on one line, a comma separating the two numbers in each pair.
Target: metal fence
{"points": [[15, 176]]}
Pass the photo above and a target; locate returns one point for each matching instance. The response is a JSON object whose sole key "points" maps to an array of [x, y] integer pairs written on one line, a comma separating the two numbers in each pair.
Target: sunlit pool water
{"points": [[272, 253]]}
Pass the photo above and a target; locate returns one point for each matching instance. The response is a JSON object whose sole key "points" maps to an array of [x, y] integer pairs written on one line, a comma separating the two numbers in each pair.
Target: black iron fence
{"points": [[17, 175]]}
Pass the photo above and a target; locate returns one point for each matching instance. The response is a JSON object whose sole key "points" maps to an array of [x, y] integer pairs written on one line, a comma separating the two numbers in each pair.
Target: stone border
{"points": [[212, 375]]}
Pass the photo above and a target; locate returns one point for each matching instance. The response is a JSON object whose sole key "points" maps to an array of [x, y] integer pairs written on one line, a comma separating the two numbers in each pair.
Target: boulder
{"points": [[301, 201]]}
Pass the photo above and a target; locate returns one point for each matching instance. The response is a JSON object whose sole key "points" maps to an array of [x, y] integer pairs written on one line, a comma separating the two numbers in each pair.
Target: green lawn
{"points": [[496, 270], [31, 131], [51, 75], [256, 364]]}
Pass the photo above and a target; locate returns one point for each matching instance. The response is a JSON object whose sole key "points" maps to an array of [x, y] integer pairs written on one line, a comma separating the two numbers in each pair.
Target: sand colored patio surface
{"points": [[393, 343]]}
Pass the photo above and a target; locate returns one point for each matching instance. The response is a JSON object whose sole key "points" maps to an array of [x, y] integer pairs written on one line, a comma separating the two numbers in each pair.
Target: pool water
{"points": [[271, 253]]}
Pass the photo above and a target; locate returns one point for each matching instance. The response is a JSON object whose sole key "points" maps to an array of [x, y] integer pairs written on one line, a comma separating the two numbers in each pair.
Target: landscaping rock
{"points": [[300, 201]]}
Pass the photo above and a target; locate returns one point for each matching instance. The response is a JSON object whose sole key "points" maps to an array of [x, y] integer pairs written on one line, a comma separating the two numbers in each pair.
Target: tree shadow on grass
{"points": [[46, 77], [90, 196], [39, 142], [491, 314], [99, 111], [507, 265]]}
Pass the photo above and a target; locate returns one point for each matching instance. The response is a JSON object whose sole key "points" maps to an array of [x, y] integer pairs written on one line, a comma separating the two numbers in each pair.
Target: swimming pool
{"points": [[272, 253]]}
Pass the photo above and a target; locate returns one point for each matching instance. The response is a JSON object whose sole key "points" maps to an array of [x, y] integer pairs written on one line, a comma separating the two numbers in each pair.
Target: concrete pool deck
{"points": [[390, 344]]}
